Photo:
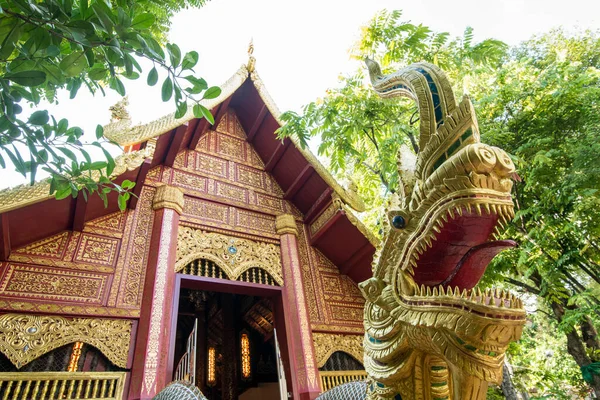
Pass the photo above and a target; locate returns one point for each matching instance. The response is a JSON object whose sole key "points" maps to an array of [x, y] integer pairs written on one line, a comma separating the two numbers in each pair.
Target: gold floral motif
{"points": [[250, 176], [53, 284], [233, 255], [231, 147], [209, 164], [23, 338], [108, 225], [157, 315], [194, 183], [97, 250], [328, 343], [68, 309], [231, 192], [324, 217], [255, 221], [133, 280], [207, 210], [52, 246]]}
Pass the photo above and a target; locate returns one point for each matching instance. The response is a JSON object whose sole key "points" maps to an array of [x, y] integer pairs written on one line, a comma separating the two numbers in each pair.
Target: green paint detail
{"points": [[438, 368]]}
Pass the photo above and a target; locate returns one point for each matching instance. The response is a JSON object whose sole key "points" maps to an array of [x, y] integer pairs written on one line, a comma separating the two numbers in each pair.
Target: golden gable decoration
{"points": [[23, 338], [233, 255], [328, 343]]}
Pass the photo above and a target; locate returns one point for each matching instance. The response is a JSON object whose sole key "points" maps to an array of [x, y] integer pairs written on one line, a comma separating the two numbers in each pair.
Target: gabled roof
{"points": [[128, 136], [326, 206]]}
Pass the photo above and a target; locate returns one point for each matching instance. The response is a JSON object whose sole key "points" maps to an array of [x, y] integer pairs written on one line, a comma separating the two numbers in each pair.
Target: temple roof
{"points": [[326, 206]]}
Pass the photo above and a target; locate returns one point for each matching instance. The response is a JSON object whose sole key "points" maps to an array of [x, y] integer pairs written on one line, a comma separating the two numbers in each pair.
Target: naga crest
{"points": [[430, 333]]}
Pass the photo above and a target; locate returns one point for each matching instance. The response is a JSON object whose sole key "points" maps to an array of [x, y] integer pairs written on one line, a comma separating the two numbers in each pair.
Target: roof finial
{"points": [[251, 59]]}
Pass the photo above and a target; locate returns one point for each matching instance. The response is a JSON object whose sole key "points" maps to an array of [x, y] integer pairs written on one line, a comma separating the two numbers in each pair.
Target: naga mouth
{"points": [[459, 244]]}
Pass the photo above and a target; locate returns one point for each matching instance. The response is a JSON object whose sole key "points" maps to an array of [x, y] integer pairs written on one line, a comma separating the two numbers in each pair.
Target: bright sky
{"points": [[302, 47]]}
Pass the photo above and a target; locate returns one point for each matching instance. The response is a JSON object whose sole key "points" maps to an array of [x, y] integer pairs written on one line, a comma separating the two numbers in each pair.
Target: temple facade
{"points": [[234, 267]]}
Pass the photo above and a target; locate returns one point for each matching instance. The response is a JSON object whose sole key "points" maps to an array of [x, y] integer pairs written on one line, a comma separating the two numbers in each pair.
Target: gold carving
{"points": [[285, 223], [39, 385], [328, 343], [158, 301], [324, 217], [53, 284], [232, 255], [97, 250], [52, 246], [168, 197], [142, 133], [137, 253], [437, 334], [23, 338]]}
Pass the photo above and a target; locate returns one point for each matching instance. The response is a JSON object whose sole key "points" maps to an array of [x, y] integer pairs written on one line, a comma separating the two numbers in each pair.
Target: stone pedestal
{"points": [[302, 353], [149, 372]]}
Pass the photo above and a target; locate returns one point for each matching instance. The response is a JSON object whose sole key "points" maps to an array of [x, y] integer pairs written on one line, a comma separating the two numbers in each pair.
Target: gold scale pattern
{"points": [[23, 338], [428, 342]]}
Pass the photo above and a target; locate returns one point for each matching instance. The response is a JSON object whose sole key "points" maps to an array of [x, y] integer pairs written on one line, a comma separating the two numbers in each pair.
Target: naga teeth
{"points": [[459, 210], [456, 291], [442, 293], [487, 207], [468, 207], [423, 290], [478, 209]]}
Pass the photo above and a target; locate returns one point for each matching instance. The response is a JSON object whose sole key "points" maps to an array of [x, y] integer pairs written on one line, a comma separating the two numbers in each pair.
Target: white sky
{"points": [[302, 47]]}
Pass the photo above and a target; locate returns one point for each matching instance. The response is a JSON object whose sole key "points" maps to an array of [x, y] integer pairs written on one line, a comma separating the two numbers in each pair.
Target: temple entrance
{"points": [[226, 335]]}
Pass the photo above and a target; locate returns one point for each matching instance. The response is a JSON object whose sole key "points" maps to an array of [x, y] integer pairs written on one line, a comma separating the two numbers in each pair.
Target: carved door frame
{"points": [[280, 314]]}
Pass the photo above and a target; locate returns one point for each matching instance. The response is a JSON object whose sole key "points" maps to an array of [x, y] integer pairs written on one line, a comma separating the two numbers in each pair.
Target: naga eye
{"points": [[398, 222]]}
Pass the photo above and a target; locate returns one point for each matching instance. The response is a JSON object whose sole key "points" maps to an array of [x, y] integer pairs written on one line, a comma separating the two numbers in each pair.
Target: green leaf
{"points": [[111, 162], [63, 192], [74, 63], [143, 21], [117, 85], [212, 92], [104, 15], [201, 111], [189, 60], [68, 153], [174, 54], [99, 131], [152, 77], [167, 89], [181, 109], [122, 202], [39, 118], [127, 184], [27, 78]]}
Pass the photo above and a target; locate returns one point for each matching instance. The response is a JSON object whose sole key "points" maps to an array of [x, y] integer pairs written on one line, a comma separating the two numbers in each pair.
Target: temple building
{"points": [[235, 267]]}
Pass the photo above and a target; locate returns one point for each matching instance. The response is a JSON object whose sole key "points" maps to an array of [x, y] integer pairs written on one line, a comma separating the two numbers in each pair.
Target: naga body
{"points": [[429, 332]]}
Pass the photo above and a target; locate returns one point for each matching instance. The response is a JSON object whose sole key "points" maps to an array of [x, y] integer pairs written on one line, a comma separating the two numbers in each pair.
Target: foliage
{"points": [[360, 134], [539, 102], [51, 45], [543, 109]]}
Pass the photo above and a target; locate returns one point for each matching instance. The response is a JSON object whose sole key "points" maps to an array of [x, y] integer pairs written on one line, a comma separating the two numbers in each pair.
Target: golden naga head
{"points": [[438, 241]]}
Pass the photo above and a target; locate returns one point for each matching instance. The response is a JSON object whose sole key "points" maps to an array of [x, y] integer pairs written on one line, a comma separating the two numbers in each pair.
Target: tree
{"points": [[51, 45], [538, 102], [543, 109], [362, 135]]}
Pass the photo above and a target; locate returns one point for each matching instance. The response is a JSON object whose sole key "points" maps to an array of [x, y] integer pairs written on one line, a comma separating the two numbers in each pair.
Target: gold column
{"points": [[299, 335]]}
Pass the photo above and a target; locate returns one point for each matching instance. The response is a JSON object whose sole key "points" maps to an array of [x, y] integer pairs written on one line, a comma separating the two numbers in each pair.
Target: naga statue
{"points": [[430, 333]]}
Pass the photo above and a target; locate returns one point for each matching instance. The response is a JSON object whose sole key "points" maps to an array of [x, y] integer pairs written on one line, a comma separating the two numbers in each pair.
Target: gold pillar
{"points": [[299, 335]]}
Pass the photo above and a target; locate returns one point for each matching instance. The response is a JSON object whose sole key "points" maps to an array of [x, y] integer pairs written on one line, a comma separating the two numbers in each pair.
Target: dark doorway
{"points": [[235, 341]]}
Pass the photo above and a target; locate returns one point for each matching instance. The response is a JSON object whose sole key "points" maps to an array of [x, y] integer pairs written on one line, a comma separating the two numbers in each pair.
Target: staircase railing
{"points": [[331, 379], [186, 367], [62, 385]]}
